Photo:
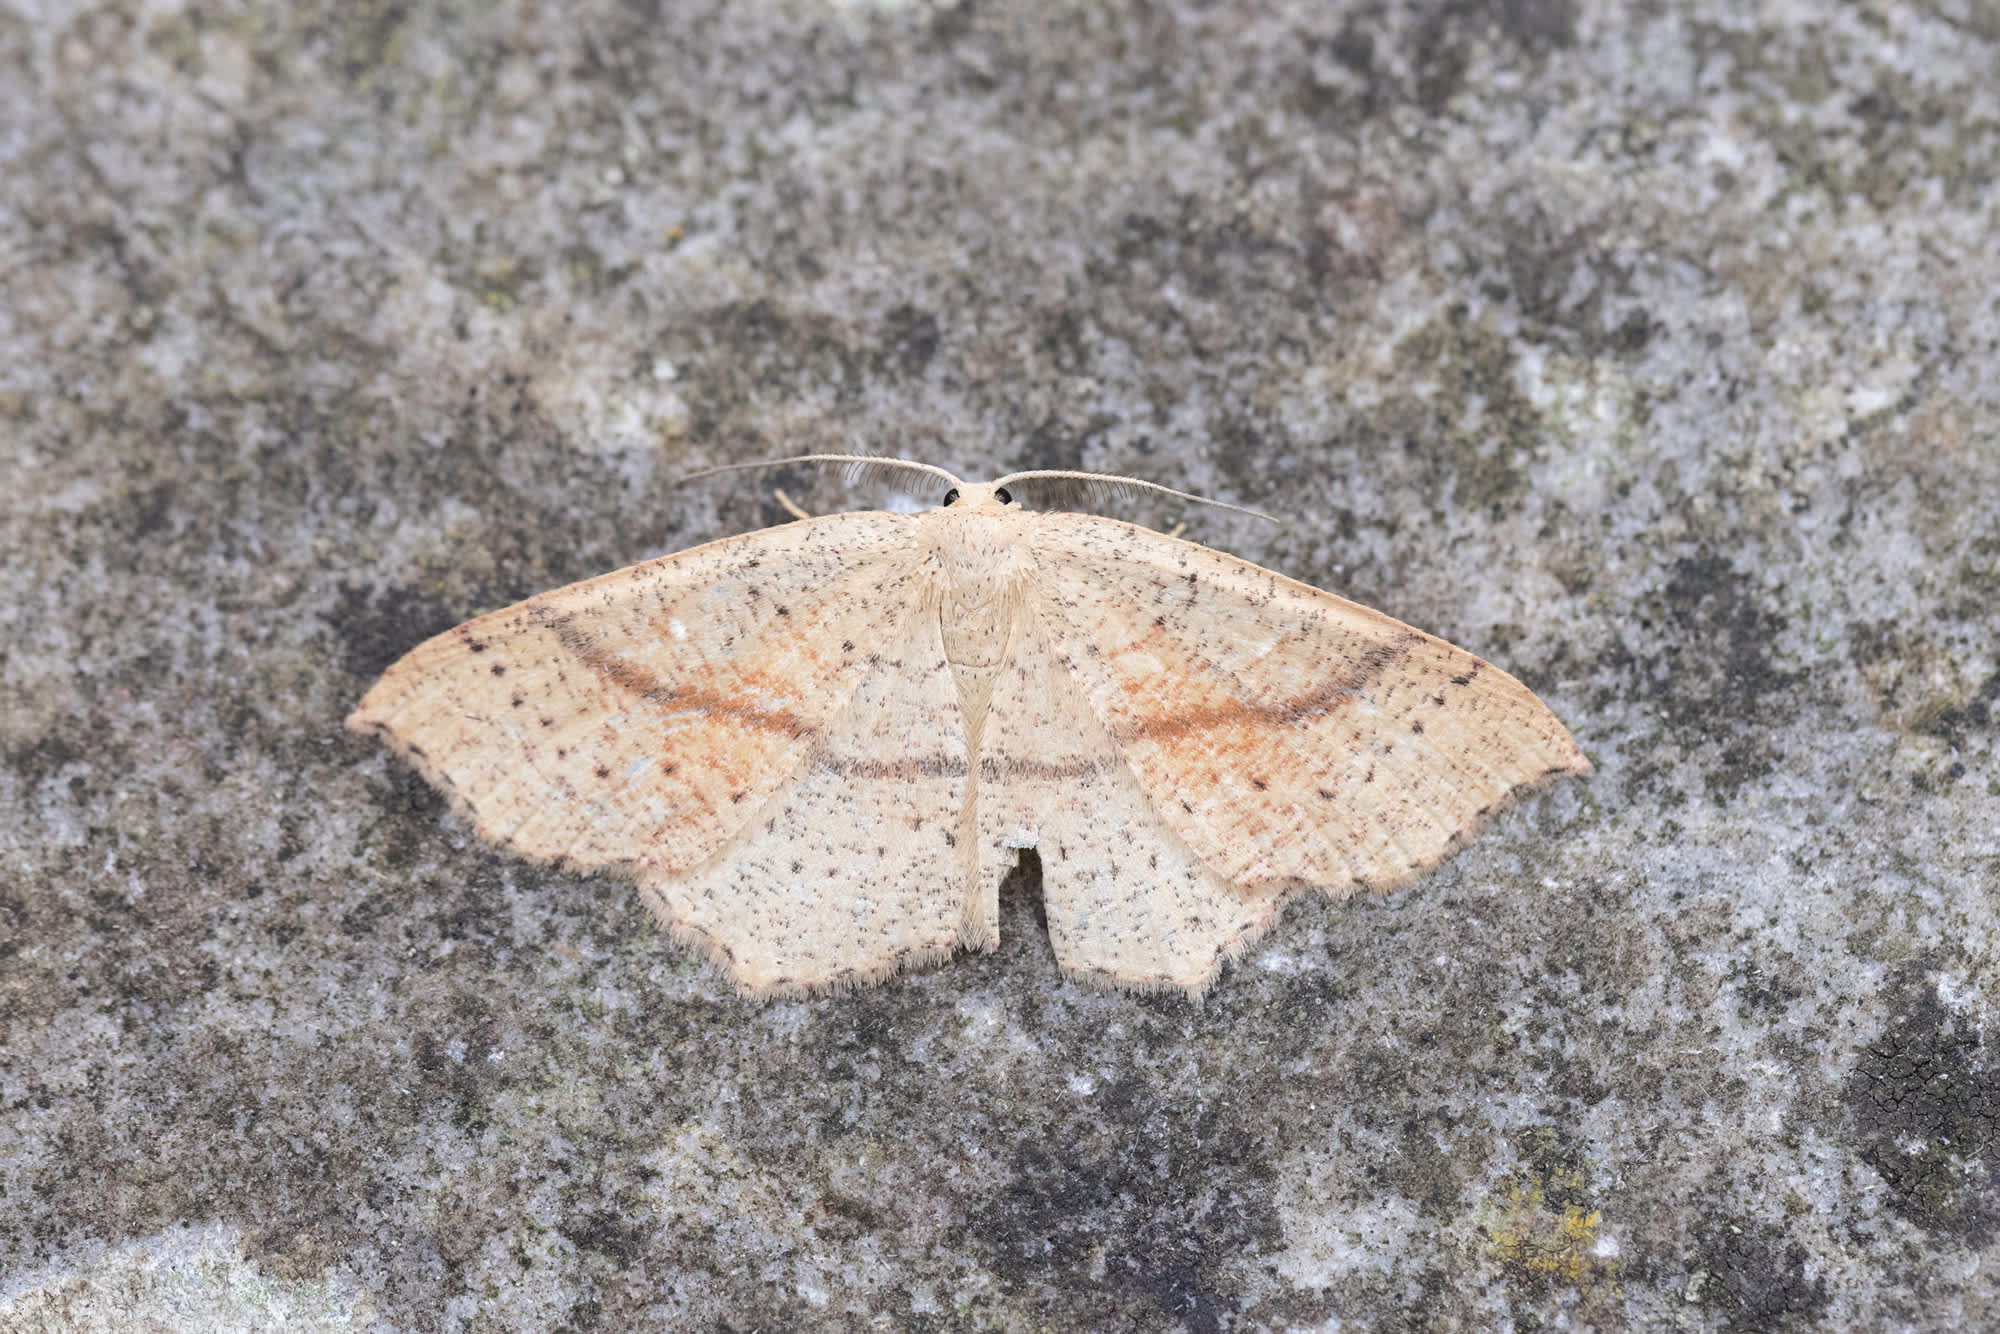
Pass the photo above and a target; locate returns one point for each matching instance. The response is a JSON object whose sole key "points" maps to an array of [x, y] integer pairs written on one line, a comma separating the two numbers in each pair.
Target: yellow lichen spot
{"points": [[1545, 1236], [1547, 1244]]}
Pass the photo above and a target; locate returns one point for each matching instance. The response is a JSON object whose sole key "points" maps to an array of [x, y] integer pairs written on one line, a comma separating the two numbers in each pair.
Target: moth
{"points": [[818, 748]]}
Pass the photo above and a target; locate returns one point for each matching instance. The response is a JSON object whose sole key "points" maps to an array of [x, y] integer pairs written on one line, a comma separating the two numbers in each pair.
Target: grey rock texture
{"points": [[1650, 351]]}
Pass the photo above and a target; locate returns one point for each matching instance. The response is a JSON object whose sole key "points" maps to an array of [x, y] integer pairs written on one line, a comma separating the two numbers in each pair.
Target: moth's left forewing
{"points": [[1289, 736]]}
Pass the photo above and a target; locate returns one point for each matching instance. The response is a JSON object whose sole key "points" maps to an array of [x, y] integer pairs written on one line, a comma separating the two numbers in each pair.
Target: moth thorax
{"points": [[982, 565]]}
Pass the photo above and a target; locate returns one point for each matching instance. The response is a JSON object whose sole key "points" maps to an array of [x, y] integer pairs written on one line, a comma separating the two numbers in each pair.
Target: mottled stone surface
{"points": [[1653, 353]]}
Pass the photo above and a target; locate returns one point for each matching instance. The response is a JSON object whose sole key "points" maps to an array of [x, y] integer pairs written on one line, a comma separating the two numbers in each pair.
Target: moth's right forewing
{"points": [[639, 719]]}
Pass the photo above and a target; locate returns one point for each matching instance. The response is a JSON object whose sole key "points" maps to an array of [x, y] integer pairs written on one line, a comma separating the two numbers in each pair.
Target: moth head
{"points": [[979, 495], [1046, 488]]}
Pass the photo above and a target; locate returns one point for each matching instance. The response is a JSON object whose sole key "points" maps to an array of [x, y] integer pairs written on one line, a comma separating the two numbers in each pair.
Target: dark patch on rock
{"points": [[1635, 332], [1323, 92], [44, 756], [1422, 1170], [1757, 1279], [1566, 278], [619, 1237], [1065, 343], [1895, 662], [1762, 990], [756, 349], [1714, 675], [1574, 1074], [1439, 56], [378, 626], [1141, 1206], [479, 915], [150, 510], [909, 339], [1472, 453], [867, 1058], [1925, 1098], [1536, 24], [1441, 41], [1381, 1086], [451, 1064], [1556, 1164], [289, 1249], [1954, 723], [1311, 1006], [13, 925], [146, 951], [412, 808]]}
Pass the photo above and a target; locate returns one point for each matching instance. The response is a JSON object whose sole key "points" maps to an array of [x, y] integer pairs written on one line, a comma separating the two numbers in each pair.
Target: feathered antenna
{"points": [[853, 468], [1097, 485]]}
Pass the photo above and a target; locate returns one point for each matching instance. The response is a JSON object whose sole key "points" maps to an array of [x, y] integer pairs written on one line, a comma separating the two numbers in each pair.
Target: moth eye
{"points": [[1004, 496], [951, 496]]}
